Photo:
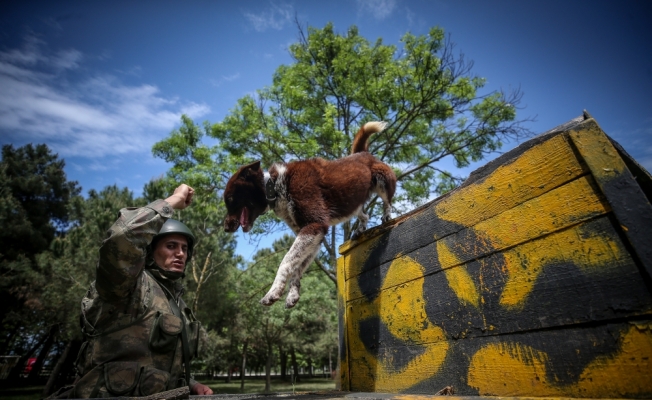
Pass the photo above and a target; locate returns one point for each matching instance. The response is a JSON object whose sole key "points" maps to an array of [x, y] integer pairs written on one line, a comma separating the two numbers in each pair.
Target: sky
{"points": [[100, 82]]}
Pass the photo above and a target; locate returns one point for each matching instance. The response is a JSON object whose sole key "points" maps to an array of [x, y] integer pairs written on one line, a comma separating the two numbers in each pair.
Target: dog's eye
{"points": [[229, 199]]}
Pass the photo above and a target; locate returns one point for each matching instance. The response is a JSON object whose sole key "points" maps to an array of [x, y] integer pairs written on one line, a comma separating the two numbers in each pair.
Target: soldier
{"points": [[140, 335]]}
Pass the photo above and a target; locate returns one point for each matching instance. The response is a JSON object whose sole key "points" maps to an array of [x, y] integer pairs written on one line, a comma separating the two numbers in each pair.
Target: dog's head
{"points": [[244, 196]]}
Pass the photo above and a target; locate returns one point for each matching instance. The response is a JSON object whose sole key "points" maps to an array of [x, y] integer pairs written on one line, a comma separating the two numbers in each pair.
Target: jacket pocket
{"points": [[152, 381], [121, 377], [165, 333]]}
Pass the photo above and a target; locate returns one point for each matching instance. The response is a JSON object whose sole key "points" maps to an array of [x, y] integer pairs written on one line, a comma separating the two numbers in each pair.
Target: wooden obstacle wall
{"points": [[531, 279]]}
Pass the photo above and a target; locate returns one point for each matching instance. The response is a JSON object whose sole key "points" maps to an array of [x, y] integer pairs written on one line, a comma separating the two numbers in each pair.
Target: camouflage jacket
{"points": [[133, 341]]}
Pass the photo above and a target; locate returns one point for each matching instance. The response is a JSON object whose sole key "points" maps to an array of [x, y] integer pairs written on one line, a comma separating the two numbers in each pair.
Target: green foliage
{"points": [[310, 326], [34, 207], [72, 259], [336, 83], [35, 197]]}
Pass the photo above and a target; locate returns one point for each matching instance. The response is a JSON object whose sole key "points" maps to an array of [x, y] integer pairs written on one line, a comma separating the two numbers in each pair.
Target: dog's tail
{"points": [[360, 141]]}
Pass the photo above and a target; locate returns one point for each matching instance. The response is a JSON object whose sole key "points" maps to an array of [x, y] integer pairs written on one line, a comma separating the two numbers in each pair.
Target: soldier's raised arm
{"points": [[122, 254]]}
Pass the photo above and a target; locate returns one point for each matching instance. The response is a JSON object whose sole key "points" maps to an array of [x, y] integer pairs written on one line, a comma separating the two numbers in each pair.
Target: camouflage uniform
{"points": [[133, 341]]}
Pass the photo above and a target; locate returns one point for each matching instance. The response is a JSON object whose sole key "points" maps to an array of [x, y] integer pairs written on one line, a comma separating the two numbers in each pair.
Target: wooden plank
{"points": [[597, 361], [531, 172], [343, 359], [565, 206], [582, 274], [628, 202]]}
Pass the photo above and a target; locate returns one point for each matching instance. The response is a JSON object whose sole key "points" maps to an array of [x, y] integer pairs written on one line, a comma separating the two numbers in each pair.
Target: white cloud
{"points": [[379, 9], [222, 79], [277, 16], [91, 117]]}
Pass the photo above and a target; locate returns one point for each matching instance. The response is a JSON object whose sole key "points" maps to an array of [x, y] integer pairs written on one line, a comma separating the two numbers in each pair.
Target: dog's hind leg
{"points": [[362, 222], [294, 286], [385, 187], [301, 253]]}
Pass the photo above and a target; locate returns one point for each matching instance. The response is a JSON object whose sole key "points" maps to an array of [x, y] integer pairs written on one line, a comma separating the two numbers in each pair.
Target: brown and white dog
{"points": [[310, 196]]}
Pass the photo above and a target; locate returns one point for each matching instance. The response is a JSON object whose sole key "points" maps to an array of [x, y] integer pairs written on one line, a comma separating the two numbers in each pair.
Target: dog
{"points": [[310, 196]]}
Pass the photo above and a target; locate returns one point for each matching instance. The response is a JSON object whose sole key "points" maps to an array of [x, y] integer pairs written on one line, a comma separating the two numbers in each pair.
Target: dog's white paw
{"points": [[291, 300], [386, 218], [269, 299], [293, 295]]}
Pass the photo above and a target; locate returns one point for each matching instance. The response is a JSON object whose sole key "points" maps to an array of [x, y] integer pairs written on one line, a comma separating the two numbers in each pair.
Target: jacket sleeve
{"points": [[123, 252]]}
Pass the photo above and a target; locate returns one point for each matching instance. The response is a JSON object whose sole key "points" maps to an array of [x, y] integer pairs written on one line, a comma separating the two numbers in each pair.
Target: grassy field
{"points": [[278, 386], [251, 386]]}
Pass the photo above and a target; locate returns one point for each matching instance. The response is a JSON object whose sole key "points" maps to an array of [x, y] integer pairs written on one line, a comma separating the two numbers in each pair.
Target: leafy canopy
{"points": [[336, 83]]}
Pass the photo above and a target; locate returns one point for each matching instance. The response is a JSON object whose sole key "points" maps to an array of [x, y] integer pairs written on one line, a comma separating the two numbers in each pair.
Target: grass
{"points": [[278, 386], [23, 393], [219, 387]]}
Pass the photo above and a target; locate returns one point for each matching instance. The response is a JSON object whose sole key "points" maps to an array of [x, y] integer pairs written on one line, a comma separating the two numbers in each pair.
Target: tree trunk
{"points": [[229, 373], [62, 368], [310, 369], [268, 369], [244, 364], [283, 356], [330, 363], [200, 281], [43, 354], [295, 366]]}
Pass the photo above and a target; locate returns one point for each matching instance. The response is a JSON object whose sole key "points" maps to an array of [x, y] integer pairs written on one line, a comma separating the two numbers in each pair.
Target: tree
{"points": [[337, 82], [302, 327], [34, 208]]}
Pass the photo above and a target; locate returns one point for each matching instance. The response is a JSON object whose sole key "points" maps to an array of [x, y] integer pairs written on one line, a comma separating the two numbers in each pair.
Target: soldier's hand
{"points": [[201, 389], [182, 197]]}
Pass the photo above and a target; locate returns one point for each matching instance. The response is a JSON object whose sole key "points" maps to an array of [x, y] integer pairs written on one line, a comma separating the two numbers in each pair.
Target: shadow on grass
{"points": [[23, 393], [219, 387], [278, 386]]}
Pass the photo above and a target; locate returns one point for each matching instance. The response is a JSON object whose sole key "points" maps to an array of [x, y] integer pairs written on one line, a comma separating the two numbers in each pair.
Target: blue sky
{"points": [[100, 82]]}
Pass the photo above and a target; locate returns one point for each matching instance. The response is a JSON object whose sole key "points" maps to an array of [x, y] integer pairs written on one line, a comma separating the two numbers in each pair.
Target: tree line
{"points": [[336, 82]]}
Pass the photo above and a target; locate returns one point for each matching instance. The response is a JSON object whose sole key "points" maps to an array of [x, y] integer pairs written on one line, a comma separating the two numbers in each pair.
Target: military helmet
{"points": [[173, 226]]}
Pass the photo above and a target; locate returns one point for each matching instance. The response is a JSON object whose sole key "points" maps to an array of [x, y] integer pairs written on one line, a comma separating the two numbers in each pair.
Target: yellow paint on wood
{"points": [[458, 278], [344, 380], [553, 211], [585, 249], [600, 155], [354, 260], [560, 208], [519, 370], [565, 206], [536, 171], [402, 310]]}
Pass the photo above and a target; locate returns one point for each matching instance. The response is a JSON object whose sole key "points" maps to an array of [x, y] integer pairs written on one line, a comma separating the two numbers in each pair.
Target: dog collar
{"points": [[270, 191]]}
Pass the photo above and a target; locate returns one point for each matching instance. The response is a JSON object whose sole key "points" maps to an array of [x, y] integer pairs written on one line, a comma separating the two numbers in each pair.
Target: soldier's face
{"points": [[171, 252]]}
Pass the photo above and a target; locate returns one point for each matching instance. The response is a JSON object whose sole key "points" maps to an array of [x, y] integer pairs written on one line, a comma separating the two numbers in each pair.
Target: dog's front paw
{"points": [[386, 218], [269, 299], [293, 295], [291, 300]]}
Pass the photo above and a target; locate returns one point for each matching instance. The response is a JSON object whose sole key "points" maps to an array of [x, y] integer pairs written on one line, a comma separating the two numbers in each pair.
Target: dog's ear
{"points": [[249, 170]]}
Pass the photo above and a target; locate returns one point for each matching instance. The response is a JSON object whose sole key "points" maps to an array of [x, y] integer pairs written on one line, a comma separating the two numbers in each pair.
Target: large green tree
{"points": [[304, 327], [34, 207], [433, 103]]}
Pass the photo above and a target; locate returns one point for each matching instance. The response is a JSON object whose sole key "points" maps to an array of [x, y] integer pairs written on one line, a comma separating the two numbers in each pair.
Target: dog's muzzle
{"points": [[231, 224]]}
